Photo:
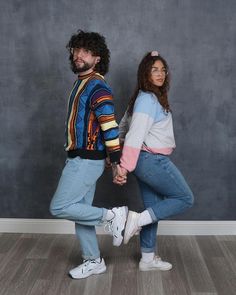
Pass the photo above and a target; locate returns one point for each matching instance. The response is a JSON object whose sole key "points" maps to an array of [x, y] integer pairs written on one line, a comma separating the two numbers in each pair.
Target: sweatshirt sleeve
{"points": [[123, 127], [141, 122], [103, 107]]}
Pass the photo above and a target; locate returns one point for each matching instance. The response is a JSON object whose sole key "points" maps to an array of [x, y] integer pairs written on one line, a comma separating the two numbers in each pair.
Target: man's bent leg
{"points": [[78, 177]]}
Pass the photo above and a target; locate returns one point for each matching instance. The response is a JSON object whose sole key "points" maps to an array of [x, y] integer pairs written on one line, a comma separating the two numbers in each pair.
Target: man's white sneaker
{"points": [[155, 264], [117, 224], [88, 268], [132, 226]]}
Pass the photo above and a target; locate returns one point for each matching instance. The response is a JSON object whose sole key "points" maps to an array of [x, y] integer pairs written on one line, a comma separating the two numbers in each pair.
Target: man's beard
{"points": [[78, 70]]}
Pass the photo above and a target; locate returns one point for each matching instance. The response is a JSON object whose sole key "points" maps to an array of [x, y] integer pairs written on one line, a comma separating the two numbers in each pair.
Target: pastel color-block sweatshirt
{"points": [[91, 128], [150, 129]]}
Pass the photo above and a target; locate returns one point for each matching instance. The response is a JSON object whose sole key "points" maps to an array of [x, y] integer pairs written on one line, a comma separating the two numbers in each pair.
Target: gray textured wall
{"points": [[198, 40]]}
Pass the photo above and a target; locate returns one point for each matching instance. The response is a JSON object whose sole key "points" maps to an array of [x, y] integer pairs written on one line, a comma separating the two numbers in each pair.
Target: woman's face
{"points": [[158, 73]]}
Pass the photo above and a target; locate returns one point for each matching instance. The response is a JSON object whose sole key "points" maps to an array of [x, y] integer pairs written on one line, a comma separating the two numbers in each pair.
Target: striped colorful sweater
{"points": [[150, 129], [91, 128]]}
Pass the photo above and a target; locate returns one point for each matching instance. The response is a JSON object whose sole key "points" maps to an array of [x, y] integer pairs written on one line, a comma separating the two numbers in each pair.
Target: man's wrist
{"points": [[114, 164]]}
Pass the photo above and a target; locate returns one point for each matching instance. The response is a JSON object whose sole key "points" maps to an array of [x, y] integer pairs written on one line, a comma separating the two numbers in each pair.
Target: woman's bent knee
{"points": [[189, 200]]}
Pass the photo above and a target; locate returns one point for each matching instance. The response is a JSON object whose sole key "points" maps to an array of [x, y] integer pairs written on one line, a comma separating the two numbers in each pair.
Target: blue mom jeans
{"points": [[73, 201], [164, 192]]}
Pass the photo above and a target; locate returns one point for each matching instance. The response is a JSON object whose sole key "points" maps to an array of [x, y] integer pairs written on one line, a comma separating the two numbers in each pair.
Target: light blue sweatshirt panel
{"points": [[147, 103]]}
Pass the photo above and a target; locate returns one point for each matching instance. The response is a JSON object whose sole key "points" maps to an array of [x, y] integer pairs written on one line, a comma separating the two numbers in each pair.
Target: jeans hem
{"points": [[90, 257], [147, 250], [104, 215], [153, 216]]}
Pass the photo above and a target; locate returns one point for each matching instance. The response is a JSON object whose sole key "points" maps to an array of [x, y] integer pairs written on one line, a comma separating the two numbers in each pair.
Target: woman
{"points": [[147, 132]]}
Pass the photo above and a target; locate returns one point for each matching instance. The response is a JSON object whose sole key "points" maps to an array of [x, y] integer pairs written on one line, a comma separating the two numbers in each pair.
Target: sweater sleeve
{"points": [[141, 122], [103, 107]]}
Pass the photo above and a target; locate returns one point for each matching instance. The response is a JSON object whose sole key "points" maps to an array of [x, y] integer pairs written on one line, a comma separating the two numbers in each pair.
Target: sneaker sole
{"points": [[154, 268], [118, 243], [128, 234]]}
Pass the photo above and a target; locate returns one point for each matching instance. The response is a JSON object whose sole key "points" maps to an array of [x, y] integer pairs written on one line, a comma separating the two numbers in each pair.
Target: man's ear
{"points": [[98, 59]]}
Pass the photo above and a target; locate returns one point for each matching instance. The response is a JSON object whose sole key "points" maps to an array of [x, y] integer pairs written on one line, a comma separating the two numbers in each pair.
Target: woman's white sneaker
{"points": [[155, 264], [88, 268], [132, 226]]}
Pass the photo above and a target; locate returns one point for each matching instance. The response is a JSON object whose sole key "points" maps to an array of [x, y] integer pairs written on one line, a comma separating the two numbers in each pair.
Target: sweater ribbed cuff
{"points": [[115, 157]]}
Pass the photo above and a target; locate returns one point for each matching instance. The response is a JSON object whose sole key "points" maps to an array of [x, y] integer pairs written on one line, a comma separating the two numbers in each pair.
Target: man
{"points": [[91, 134]]}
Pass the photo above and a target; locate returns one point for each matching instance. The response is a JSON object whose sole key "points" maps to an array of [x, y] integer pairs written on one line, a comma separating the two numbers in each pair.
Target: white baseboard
{"points": [[167, 227]]}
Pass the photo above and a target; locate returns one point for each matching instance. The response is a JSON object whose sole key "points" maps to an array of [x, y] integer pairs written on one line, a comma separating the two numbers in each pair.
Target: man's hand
{"points": [[107, 163]]}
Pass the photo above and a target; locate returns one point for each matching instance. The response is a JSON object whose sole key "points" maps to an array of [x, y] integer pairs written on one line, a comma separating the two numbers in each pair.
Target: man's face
{"points": [[83, 61]]}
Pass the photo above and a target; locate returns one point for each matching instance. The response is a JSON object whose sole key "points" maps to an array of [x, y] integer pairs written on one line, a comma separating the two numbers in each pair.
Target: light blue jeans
{"points": [[164, 192], [73, 201]]}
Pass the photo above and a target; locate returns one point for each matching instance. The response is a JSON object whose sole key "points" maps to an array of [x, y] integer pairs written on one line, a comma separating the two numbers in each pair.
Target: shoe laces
{"points": [[108, 227], [87, 262], [157, 258]]}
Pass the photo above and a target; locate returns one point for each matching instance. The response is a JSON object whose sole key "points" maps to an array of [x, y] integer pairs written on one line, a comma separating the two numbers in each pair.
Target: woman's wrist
{"points": [[124, 170]]}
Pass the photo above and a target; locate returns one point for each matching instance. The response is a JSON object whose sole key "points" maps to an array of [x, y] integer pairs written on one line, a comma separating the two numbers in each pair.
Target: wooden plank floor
{"points": [[34, 264]]}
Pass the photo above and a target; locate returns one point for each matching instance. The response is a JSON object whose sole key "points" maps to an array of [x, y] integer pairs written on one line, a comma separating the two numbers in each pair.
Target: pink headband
{"points": [[154, 53]]}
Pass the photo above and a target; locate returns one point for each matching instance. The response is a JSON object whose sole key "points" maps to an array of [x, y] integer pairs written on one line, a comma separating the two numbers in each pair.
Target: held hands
{"points": [[119, 175]]}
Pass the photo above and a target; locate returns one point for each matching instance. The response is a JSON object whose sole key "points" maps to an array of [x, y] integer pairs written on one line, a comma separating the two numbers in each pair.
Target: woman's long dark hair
{"points": [[94, 42], [144, 83]]}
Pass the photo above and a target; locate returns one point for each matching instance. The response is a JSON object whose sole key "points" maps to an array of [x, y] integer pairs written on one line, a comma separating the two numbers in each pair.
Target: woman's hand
{"points": [[120, 175]]}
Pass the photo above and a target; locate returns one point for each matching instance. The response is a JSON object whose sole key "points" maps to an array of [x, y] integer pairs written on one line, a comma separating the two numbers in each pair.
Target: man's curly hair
{"points": [[96, 44], [144, 83]]}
